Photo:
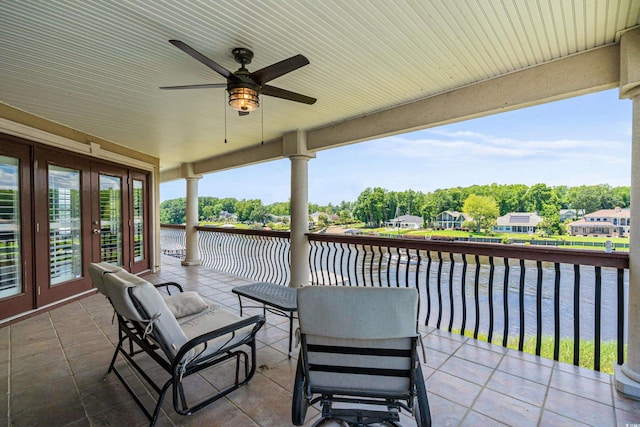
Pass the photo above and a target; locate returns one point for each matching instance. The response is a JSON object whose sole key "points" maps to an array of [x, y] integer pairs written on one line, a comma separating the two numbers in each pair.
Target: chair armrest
{"points": [[257, 321], [168, 285]]}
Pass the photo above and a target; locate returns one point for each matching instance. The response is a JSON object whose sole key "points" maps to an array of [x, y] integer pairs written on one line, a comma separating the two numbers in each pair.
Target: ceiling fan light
{"points": [[243, 99]]}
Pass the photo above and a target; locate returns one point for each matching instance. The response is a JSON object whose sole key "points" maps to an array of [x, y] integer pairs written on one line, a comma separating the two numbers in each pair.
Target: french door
{"points": [[58, 213], [16, 260]]}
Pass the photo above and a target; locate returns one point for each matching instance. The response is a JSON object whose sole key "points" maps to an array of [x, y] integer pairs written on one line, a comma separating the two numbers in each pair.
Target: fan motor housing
{"points": [[242, 55]]}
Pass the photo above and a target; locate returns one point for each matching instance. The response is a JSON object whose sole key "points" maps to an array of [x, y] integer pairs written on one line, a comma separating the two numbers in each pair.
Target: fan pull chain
{"points": [[224, 101], [262, 119]]}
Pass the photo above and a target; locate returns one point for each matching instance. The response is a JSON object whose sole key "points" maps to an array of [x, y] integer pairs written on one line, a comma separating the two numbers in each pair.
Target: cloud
{"points": [[446, 146]]}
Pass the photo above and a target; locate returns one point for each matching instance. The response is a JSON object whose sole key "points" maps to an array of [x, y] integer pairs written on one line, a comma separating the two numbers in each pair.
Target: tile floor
{"points": [[52, 372]]}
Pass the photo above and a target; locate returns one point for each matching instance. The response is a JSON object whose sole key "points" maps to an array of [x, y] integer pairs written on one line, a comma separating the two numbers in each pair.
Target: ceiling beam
{"points": [[579, 74]]}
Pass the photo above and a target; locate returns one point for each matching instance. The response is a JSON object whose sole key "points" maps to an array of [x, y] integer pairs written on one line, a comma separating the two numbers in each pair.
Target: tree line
{"points": [[174, 211], [375, 206]]}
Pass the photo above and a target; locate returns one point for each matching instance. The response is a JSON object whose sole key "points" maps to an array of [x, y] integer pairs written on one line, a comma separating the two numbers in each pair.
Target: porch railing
{"points": [[503, 294], [258, 255], [511, 295]]}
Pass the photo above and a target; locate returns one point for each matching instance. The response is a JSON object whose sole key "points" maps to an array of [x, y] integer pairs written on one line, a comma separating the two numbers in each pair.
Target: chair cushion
{"points": [[166, 327], [210, 321], [185, 304], [358, 312], [97, 271]]}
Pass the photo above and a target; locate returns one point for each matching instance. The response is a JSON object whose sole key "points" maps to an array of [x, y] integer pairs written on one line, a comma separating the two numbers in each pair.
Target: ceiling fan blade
{"points": [[278, 69], [243, 113], [285, 94], [203, 59], [204, 86]]}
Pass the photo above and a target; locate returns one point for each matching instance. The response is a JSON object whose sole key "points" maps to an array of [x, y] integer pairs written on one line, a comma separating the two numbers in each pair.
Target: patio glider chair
{"points": [[358, 356], [183, 333]]}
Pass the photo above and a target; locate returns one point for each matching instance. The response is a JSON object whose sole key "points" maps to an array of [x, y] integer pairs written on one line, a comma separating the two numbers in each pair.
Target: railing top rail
{"points": [[176, 226], [265, 233], [534, 253]]}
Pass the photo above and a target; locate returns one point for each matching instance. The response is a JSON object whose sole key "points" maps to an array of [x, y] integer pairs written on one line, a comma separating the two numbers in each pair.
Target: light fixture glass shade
{"points": [[243, 99]]}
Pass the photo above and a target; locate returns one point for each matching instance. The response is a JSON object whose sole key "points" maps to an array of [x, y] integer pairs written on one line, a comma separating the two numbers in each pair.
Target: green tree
{"points": [[540, 195], [173, 211], [259, 214], [244, 208], [371, 206], [483, 209], [551, 220]]}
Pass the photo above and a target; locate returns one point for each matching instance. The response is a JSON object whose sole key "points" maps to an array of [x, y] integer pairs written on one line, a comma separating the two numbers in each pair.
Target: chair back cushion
{"points": [[359, 341], [122, 285], [358, 312], [97, 270]]}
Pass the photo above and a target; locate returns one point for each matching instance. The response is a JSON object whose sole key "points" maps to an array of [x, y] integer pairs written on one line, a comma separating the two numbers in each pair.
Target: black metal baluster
{"points": [[490, 298], [406, 270], [463, 290], [428, 288], [373, 256], [417, 275], [620, 316], [597, 319], [451, 304], [341, 264], [364, 261], [556, 313], [380, 265], [439, 290], [523, 271], [388, 265], [576, 314], [397, 266], [505, 296], [539, 308], [476, 294], [355, 266]]}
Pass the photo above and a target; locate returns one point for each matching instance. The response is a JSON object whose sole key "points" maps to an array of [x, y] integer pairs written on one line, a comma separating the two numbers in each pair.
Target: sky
{"points": [[584, 140]]}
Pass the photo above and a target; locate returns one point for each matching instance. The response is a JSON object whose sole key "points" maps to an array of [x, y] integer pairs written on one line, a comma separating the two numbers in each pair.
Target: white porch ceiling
{"points": [[96, 66]]}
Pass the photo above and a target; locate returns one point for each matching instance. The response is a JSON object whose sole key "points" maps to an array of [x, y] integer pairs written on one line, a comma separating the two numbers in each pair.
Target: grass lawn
{"points": [[608, 350]]}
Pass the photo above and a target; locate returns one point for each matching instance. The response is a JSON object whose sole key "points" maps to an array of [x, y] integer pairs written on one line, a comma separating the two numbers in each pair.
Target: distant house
{"points": [[566, 214], [518, 222], [315, 217], [451, 219], [227, 216], [406, 221], [605, 222]]}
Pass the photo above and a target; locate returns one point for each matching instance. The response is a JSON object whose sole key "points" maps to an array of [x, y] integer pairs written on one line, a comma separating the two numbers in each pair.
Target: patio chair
{"points": [[183, 333], [359, 351]]}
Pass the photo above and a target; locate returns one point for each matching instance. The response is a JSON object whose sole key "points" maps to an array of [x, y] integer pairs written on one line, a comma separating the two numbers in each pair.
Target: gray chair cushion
{"points": [[210, 321], [167, 329], [97, 271], [186, 304], [359, 319], [386, 313]]}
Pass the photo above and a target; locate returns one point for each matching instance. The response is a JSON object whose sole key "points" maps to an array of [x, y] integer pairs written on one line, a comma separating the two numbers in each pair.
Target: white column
{"points": [[192, 256], [295, 147], [627, 376]]}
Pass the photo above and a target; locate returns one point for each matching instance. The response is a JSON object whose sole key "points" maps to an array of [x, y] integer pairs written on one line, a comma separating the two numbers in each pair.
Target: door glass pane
{"points": [[110, 219], [65, 243], [138, 220], [10, 271]]}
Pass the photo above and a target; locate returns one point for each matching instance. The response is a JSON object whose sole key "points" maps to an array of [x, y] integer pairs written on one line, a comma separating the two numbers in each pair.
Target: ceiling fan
{"points": [[244, 87]]}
